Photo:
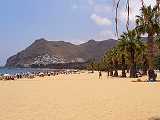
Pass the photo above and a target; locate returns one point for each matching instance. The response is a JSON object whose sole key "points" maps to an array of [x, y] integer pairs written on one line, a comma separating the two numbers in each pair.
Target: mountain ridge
{"points": [[42, 51]]}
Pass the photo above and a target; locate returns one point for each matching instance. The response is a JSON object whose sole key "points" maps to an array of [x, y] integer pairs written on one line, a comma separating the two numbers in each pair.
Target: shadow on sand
{"points": [[154, 118], [139, 80]]}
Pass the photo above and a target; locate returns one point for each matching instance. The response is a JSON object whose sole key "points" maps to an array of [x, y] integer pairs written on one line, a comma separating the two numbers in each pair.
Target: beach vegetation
{"points": [[147, 22], [133, 52]]}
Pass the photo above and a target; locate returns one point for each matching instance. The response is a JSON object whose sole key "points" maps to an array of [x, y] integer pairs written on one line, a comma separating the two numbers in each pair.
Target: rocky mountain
{"points": [[53, 52]]}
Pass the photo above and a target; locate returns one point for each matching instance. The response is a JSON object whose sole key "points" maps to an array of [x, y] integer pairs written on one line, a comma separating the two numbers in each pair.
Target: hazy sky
{"points": [[77, 21]]}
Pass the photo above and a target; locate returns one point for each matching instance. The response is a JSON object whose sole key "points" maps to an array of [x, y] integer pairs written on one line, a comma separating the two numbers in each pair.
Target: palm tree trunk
{"points": [[111, 72], [108, 72], [151, 51], [92, 67], [111, 68], [128, 67], [151, 55], [123, 66], [145, 66], [133, 65], [116, 68]]}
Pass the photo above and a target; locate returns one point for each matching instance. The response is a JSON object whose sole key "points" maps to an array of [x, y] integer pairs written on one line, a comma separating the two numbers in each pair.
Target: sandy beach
{"points": [[79, 97]]}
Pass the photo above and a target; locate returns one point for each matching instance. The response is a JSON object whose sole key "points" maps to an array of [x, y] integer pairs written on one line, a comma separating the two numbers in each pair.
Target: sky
{"points": [[76, 21]]}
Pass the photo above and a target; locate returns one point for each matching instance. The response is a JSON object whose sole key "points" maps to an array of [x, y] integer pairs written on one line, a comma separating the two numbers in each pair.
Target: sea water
{"points": [[22, 70]]}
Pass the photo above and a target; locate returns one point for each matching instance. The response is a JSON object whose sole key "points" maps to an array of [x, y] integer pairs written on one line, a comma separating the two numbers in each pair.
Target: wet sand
{"points": [[79, 97]]}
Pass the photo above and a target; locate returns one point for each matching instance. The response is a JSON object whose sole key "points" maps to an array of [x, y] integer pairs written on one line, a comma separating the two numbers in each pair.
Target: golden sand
{"points": [[79, 97]]}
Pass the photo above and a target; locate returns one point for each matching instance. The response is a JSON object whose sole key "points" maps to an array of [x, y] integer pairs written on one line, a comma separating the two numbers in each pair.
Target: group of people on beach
{"points": [[35, 74]]}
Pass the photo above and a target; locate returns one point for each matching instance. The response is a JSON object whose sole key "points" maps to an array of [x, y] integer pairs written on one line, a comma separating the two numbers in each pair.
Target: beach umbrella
{"points": [[41, 74], [6, 75]]}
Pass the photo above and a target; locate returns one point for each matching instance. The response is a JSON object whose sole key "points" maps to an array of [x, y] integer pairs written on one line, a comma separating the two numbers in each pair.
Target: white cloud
{"points": [[134, 10], [101, 21], [101, 8]]}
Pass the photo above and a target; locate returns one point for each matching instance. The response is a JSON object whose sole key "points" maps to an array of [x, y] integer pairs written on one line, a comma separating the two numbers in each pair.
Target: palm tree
{"points": [[130, 43], [122, 48], [148, 22], [115, 57], [109, 60], [112, 61], [106, 62], [143, 58]]}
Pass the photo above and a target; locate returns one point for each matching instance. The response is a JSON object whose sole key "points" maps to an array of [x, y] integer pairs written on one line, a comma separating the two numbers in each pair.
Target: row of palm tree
{"points": [[131, 49], [147, 23]]}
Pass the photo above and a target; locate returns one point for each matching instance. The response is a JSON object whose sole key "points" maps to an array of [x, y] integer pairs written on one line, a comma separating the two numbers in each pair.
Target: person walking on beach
{"points": [[100, 74]]}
